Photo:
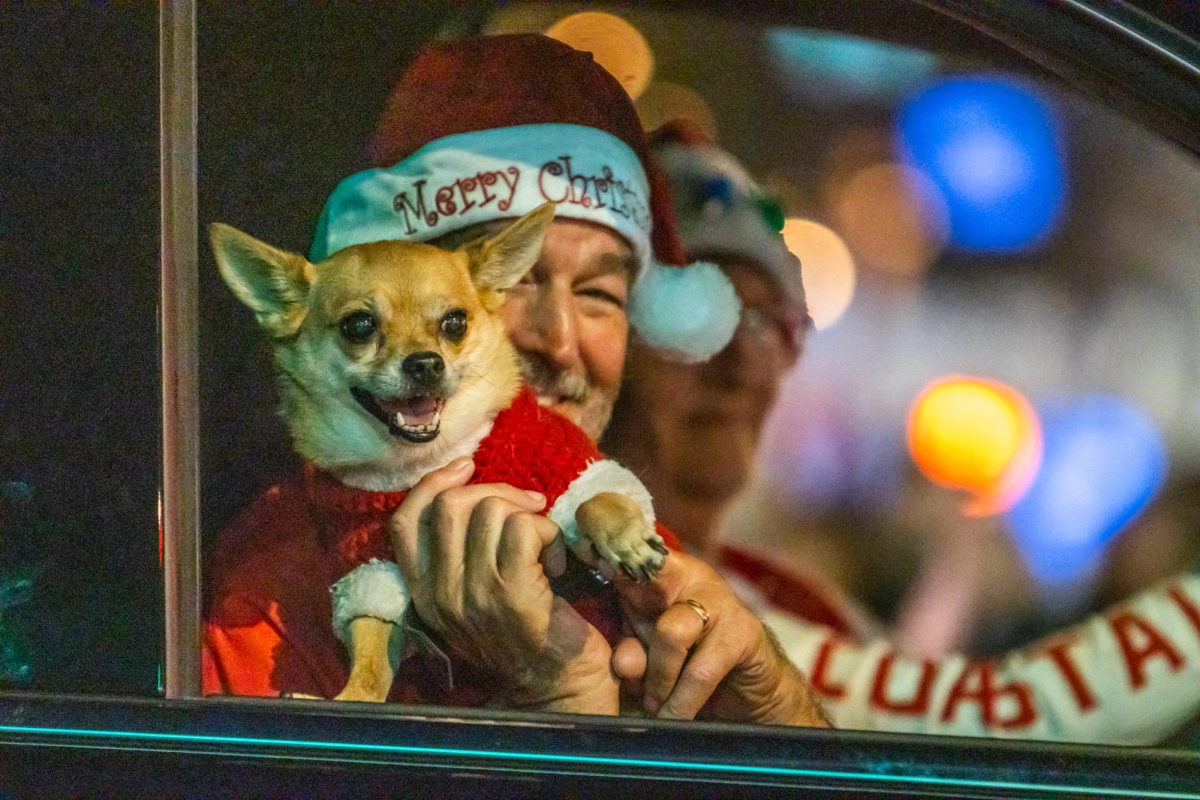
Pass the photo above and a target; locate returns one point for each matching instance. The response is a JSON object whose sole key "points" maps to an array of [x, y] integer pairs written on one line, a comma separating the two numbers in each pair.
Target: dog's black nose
{"points": [[424, 367]]}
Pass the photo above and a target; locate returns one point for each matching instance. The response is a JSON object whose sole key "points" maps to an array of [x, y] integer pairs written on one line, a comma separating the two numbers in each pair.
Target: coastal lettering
{"points": [[1140, 641], [1060, 656], [978, 684], [917, 704], [1185, 605], [820, 672]]}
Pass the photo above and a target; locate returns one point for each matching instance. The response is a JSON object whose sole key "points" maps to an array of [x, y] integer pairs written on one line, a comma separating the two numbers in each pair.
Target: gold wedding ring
{"points": [[701, 611]]}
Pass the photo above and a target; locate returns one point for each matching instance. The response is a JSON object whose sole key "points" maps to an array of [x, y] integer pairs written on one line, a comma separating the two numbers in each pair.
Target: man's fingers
{"points": [[707, 666], [677, 631], [554, 556], [648, 599], [442, 492], [404, 526], [456, 473], [522, 541], [629, 662], [483, 537]]}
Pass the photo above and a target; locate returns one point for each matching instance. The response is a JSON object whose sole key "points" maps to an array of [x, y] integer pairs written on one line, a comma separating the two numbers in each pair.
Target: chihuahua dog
{"points": [[392, 361]]}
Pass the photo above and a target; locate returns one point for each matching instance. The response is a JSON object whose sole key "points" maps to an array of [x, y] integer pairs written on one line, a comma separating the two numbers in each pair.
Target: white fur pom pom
{"points": [[688, 313], [375, 589]]}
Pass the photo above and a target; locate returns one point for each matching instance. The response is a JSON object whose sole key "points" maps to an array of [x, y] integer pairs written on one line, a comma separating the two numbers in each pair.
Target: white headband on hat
{"points": [[480, 176]]}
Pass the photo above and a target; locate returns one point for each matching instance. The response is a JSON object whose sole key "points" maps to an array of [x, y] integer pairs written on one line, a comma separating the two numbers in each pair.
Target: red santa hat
{"points": [[492, 127]]}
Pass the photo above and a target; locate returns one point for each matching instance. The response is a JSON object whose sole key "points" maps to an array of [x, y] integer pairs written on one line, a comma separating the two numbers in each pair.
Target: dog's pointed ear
{"points": [[498, 262], [272, 282]]}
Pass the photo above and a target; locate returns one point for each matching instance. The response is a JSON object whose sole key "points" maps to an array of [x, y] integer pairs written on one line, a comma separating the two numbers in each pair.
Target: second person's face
{"points": [[704, 420]]}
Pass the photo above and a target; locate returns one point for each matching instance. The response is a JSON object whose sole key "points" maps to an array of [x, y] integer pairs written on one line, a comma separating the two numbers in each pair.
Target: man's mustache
{"points": [[549, 380]]}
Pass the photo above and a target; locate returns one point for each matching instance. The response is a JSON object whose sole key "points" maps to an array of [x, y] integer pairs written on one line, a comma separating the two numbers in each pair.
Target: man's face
{"points": [[704, 420], [567, 320]]}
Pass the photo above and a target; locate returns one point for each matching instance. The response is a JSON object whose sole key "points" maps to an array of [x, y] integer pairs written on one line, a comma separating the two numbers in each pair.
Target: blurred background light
{"points": [[615, 44], [817, 455], [977, 435], [1103, 462], [827, 268], [663, 101], [831, 69], [893, 219], [991, 146]]}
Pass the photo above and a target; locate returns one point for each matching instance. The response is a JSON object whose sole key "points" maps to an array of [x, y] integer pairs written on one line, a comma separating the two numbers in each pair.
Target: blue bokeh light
{"points": [[1103, 462], [991, 146]]}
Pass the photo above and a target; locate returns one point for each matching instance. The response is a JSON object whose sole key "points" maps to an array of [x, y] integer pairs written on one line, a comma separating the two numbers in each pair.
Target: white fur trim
{"points": [[599, 476], [480, 176], [688, 313], [375, 589]]}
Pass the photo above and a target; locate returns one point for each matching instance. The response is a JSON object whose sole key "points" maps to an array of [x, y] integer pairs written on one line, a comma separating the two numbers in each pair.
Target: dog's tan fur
{"points": [[409, 288]]}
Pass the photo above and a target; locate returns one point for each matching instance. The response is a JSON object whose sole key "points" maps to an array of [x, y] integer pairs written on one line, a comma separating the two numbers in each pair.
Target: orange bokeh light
{"points": [[893, 218], [826, 267], [664, 101], [977, 435], [614, 43]]}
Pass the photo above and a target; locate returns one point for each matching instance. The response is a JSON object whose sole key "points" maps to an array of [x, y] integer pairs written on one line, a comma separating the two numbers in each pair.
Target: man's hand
{"points": [[730, 668], [476, 560]]}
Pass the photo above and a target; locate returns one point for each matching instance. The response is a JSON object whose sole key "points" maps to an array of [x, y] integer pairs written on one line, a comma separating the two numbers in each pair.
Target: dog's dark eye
{"points": [[359, 326], [454, 325]]}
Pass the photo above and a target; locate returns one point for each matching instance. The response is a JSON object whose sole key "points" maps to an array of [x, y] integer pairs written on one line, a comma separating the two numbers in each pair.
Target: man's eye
{"points": [[359, 326], [454, 325], [607, 297]]}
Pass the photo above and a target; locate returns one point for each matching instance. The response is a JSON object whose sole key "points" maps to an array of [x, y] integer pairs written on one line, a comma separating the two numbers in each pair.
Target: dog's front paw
{"points": [[636, 550], [620, 537]]}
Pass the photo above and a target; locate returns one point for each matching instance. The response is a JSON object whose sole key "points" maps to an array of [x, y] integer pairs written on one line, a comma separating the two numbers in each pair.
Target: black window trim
{"points": [[103, 745], [226, 746]]}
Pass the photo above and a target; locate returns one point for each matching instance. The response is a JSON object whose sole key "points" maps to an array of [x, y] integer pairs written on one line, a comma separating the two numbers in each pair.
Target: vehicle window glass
{"points": [[989, 437], [273, 188], [80, 584]]}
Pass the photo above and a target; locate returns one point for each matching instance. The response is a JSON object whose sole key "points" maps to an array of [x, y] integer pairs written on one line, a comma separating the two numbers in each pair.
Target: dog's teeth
{"points": [[399, 420]]}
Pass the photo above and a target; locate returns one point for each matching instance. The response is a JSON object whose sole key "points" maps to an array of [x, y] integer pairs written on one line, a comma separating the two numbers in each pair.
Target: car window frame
{"points": [[1067, 38]]}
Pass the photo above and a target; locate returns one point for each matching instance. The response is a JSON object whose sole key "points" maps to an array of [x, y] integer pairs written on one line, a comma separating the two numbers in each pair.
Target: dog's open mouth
{"points": [[415, 417]]}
